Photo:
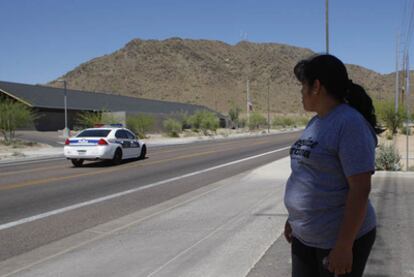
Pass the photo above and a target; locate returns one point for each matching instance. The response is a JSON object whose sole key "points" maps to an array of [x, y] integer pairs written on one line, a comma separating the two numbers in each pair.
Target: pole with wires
{"points": [[407, 104], [327, 25], [397, 79]]}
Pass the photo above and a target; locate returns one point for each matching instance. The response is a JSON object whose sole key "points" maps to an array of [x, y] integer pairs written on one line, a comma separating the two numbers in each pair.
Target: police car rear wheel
{"points": [[117, 159], [77, 162], [143, 153]]}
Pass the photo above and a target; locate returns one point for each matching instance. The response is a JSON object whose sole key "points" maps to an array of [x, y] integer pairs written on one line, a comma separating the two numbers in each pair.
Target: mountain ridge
{"points": [[210, 73]]}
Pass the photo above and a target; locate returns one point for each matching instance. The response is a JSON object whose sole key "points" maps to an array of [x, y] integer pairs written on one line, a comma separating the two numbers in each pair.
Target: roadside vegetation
{"points": [[286, 121], [140, 124], [173, 127], [387, 158], [91, 119], [13, 115], [394, 124], [203, 121], [388, 118]]}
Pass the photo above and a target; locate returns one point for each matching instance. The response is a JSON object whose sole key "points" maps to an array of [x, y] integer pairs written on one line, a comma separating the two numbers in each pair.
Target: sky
{"points": [[41, 40]]}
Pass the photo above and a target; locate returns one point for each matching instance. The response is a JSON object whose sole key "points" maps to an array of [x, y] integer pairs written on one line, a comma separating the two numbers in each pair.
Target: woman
{"points": [[331, 223]]}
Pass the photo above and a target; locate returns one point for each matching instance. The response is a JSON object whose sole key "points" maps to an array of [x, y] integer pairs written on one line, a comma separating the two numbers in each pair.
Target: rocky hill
{"points": [[210, 73]]}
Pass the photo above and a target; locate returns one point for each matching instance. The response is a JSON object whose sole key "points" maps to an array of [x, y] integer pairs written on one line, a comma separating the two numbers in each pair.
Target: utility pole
{"points": [[397, 75], [249, 103], [327, 25], [65, 107], [407, 94], [268, 106]]}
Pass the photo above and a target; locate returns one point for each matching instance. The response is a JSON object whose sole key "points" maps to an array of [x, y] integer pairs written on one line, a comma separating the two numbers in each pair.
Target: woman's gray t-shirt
{"points": [[331, 148]]}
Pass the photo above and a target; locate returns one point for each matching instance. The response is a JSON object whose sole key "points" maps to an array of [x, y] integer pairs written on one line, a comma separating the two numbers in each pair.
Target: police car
{"points": [[108, 142]]}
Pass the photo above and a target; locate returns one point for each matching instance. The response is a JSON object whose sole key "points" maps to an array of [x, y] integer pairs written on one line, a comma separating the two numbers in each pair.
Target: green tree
{"points": [[182, 117], [289, 121], [204, 121], [173, 127], [91, 119], [13, 115], [234, 113], [256, 121], [387, 116], [140, 124]]}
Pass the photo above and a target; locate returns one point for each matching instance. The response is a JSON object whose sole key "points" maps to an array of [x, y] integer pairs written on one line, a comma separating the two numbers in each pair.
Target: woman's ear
{"points": [[316, 88]]}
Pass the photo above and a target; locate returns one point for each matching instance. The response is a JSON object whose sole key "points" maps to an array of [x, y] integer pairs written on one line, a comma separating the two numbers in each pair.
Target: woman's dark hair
{"points": [[332, 74]]}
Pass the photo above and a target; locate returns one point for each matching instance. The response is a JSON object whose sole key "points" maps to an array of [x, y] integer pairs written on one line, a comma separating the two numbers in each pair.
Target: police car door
{"points": [[122, 139], [135, 149]]}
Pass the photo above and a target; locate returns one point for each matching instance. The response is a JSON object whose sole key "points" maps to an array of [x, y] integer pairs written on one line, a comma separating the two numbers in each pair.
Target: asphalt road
{"points": [[29, 190]]}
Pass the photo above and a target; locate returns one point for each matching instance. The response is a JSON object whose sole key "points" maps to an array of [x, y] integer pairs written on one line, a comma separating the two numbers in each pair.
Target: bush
{"points": [[282, 121], [204, 121], [173, 127], [140, 124], [242, 122], [289, 121], [13, 115], [256, 121], [386, 114], [91, 119], [182, 117], [234, 113], [387, 158], [406, 130]]}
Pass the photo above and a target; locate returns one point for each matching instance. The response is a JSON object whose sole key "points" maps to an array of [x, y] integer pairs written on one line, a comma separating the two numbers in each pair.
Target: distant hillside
{"points": [[210, 73]]}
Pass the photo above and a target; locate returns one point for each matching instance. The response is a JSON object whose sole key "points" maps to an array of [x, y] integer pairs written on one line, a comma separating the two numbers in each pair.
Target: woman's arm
{"points": [[340, 257]]}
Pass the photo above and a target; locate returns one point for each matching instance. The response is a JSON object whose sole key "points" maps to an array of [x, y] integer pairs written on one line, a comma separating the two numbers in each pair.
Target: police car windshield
{"points": [[93, 133]]}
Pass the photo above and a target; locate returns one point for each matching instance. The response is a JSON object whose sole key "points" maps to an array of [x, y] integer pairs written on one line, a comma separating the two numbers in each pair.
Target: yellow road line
{"points": [[61, 178], [64, 165], [31, 170]]}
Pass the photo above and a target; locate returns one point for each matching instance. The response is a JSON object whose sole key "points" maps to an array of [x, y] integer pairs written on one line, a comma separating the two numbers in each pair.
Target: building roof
{"points": [[38, 96]]}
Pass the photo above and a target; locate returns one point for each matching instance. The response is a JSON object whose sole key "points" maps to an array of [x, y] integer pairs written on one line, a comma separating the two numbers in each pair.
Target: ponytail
{"points": [[357, 98]]}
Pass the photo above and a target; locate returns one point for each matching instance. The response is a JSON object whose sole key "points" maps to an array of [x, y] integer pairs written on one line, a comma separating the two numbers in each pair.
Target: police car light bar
{"points": [[116, 125]]}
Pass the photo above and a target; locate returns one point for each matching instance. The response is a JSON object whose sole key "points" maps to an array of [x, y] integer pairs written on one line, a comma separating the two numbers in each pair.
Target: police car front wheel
{"points": [[143, 153]]}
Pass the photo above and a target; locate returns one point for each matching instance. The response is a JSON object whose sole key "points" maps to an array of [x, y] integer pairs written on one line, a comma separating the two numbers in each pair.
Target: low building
{"points": [[48, 103]]}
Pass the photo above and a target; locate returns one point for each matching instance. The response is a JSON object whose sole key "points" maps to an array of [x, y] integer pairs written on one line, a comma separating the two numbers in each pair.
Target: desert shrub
{"points": [[257, 121], [289, 121], [140, 124], [234, 114], [204, 121], [242, 123], [13, 115], [386, 115], [173, 127], [387, 158], [406, 130], [91, 119], [282, 121], [183, 118]]}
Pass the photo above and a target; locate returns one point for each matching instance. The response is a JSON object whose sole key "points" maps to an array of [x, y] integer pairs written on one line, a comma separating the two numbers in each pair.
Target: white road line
{"points": [[112, 196]]}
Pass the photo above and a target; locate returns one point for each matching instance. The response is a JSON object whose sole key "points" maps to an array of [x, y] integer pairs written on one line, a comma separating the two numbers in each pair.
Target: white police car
{"points": [[109, 142]]}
